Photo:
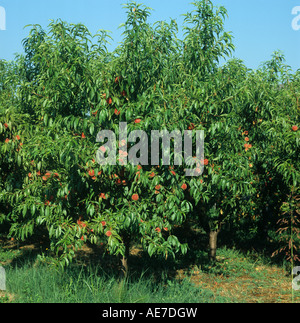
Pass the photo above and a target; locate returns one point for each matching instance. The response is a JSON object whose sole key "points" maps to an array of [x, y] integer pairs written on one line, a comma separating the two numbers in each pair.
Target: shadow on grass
{"points": [[95, 276], [156, 268]]}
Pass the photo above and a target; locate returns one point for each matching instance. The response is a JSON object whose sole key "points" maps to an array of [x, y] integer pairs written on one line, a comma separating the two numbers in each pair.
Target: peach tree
{"points": [[67, 90]]}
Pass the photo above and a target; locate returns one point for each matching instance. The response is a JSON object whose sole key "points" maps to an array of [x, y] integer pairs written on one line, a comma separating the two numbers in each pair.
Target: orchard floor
{"points": [[236, 277]]}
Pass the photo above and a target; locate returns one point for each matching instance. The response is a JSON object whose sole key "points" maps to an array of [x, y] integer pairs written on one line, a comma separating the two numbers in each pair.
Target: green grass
{"points": [[29, 280], [235, 277], [41, 284]]}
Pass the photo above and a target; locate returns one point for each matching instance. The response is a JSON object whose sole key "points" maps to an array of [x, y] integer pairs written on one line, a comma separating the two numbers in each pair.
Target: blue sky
{"points": [[259, 27]]}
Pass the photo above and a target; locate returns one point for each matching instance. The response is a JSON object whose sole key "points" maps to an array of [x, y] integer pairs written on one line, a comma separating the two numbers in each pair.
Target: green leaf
{"points": [[24, 210], [47, 211], [33, 209], [92, 129]]}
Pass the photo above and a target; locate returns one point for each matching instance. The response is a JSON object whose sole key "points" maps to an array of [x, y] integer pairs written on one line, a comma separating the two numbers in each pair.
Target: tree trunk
{"points": [[213, 242], [124, 260]]}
